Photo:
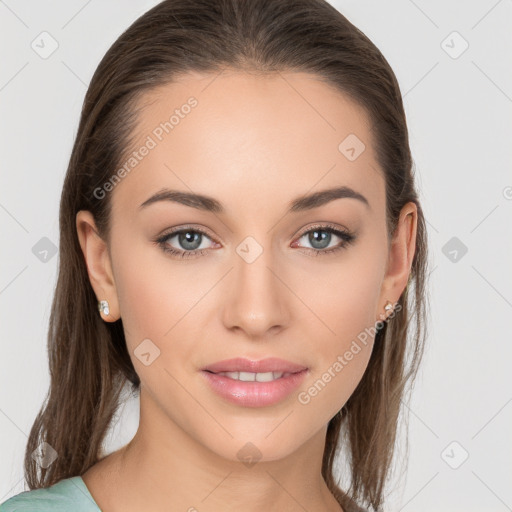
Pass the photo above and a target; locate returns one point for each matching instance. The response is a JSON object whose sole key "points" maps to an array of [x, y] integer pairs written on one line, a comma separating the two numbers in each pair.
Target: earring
{"points": [[103, 306], [387, 308]]}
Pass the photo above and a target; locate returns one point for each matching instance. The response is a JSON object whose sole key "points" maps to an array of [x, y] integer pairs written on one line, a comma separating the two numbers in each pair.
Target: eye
{"points": [[190, 242], [321, 236]]}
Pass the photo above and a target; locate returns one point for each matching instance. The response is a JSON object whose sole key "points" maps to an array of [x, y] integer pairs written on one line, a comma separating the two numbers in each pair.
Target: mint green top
{"points": [[68, 495]]}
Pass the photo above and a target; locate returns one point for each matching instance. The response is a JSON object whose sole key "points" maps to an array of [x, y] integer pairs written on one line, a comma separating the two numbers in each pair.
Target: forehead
{"points": [[246, 138]]}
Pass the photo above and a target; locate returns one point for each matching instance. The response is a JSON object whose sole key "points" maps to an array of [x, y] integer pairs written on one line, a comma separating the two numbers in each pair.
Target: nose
{"points": [[257, 301]]}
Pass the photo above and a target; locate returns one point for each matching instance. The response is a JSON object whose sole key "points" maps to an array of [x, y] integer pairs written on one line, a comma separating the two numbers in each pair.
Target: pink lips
{"points": [[254, 393]]}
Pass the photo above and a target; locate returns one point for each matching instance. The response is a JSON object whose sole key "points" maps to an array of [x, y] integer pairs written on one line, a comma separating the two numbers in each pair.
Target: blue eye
{"points": [[322, 237], [191, 240]]}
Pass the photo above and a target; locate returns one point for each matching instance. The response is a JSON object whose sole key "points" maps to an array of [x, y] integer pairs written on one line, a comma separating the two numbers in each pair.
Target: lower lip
{"points": [[254, 394]]}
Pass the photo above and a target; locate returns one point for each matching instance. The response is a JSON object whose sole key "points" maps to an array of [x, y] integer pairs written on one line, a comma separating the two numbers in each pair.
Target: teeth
{"points": [[254, 377]]}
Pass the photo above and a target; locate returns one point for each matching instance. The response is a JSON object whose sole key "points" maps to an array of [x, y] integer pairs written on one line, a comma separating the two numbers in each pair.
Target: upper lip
{"points": [[240, 364]]}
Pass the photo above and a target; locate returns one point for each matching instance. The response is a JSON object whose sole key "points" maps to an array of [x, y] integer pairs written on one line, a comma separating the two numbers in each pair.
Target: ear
{"points": [[98, 263], [400, 257]]}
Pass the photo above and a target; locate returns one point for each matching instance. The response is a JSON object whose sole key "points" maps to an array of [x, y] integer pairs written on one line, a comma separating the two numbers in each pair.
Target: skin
{"points": [[254, 143]]}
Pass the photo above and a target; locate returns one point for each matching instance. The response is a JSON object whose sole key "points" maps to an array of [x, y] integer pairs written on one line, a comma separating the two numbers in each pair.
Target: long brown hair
{"points": [[88, 359]]}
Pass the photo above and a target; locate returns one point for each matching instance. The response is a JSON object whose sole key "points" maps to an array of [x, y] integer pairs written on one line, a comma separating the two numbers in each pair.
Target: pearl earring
{"points": [[103, 306], [388, 306]]}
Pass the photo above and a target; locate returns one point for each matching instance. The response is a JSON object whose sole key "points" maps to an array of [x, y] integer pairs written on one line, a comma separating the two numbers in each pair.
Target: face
{"points": [[255, 271]]}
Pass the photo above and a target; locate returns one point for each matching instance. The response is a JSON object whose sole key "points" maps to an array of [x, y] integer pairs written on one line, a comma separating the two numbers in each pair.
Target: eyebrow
{"points": [[209, 204]]}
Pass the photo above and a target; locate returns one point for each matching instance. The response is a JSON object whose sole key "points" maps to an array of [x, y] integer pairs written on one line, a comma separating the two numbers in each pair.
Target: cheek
{"points": [[161, 304], [344, 302], [342, 351], [340, 297], [154, 291]]}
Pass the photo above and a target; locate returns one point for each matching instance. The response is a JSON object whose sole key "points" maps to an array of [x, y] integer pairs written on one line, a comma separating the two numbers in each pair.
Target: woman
{"points": [[240, 230]]}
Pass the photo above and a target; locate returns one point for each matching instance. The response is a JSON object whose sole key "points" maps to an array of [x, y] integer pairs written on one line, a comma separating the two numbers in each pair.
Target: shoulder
{"points": [[70, 494]]}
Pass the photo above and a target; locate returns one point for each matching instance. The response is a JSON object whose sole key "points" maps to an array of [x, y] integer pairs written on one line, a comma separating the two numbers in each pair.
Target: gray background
{"points": [[459, 108]]}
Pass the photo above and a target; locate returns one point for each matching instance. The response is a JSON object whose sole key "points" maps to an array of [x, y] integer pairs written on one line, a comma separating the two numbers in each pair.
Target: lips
{"points": [[241, 364], [254, 393]]}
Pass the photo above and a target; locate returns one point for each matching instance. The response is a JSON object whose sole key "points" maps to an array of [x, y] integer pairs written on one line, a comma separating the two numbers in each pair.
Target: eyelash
{"points": [[345, 235]]}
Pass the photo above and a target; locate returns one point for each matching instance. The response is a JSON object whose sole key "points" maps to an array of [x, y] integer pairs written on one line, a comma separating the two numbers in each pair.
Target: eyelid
{"points": [[322, 225], [188, 227]]}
